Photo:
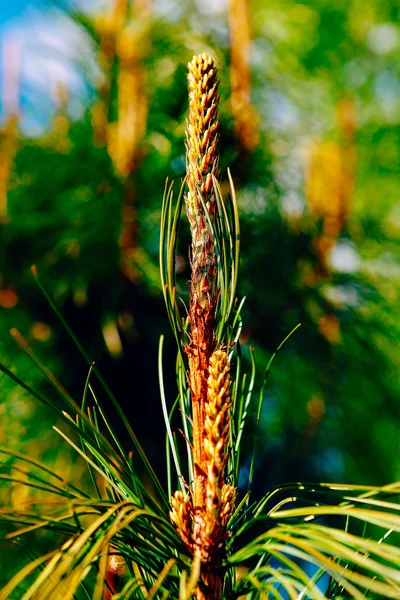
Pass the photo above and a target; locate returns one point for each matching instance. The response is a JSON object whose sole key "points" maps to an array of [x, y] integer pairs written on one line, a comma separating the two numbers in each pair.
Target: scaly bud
{"points": [[201, 165]]}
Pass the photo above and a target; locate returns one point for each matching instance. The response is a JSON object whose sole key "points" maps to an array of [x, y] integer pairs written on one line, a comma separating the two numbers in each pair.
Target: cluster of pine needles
{"points": [[204, 537]]}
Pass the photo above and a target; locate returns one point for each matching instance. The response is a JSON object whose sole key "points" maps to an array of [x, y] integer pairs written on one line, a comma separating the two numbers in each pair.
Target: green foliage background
{"points": [[64, 215]]}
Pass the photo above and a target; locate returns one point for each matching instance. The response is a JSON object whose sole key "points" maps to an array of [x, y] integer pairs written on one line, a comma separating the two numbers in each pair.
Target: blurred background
{"points": [[93, 101]]}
